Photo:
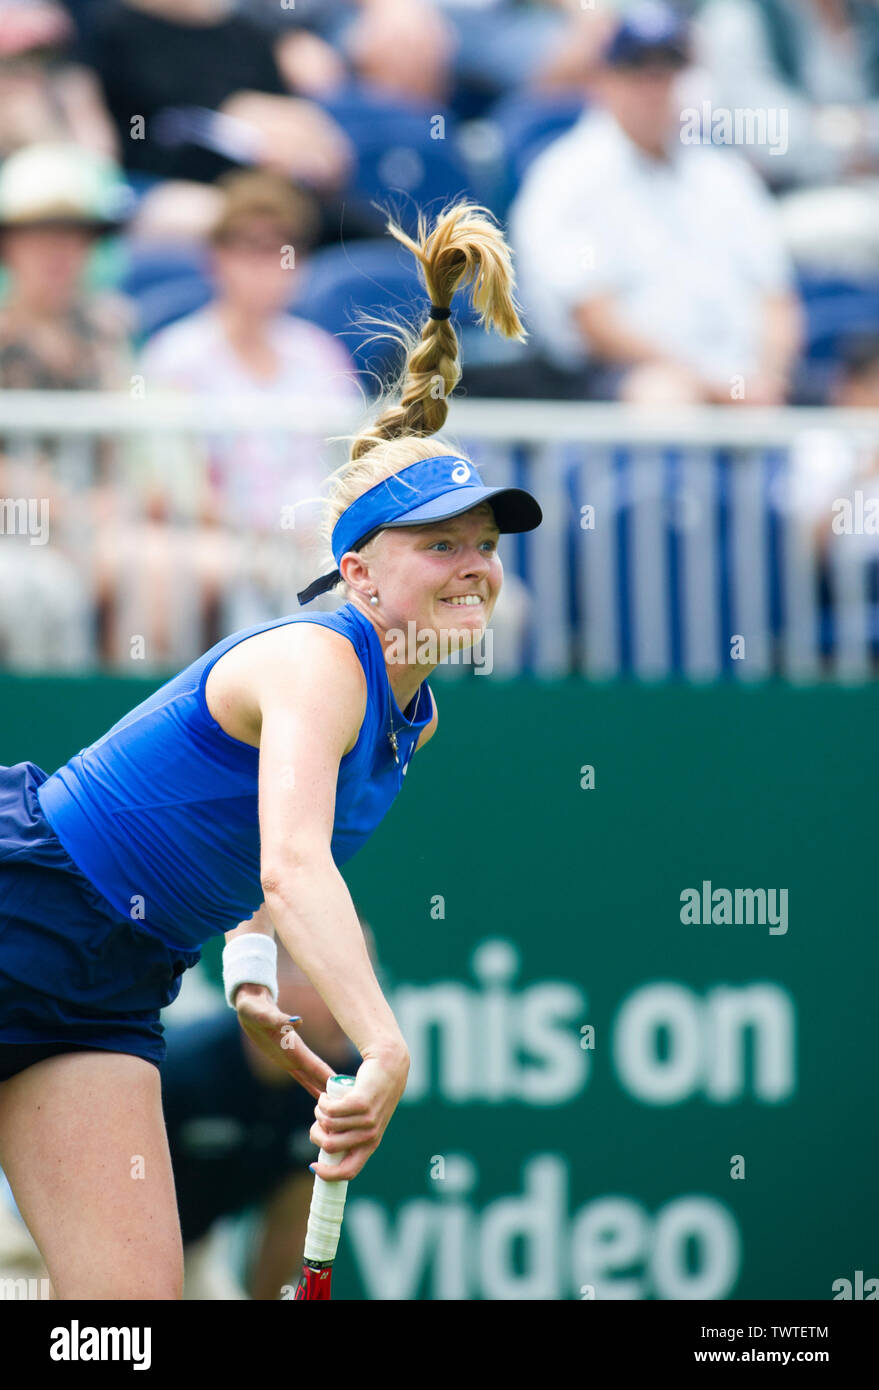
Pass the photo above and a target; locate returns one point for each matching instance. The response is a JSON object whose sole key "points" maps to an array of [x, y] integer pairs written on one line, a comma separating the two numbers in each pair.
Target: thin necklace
{"points": [[392, 736]]}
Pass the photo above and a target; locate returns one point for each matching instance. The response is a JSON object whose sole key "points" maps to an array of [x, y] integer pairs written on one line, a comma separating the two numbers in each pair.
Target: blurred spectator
{"points": [[811, 67], [44, 95], [401, 46], [245, 345], [660, 264], [431, 50], [56, 201], [156, 56], [832, 500], [830, 467], [815, 61]]}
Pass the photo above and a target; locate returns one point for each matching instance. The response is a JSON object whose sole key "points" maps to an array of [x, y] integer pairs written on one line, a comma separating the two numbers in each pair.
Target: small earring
{"points": [[373, 598]]}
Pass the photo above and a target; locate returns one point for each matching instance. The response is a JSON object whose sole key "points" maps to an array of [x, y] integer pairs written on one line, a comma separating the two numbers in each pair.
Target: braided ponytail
{"points": [[466, 248]]}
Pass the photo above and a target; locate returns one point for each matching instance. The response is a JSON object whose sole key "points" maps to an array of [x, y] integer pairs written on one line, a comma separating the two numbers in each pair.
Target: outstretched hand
{"points": [[273, 1033]]}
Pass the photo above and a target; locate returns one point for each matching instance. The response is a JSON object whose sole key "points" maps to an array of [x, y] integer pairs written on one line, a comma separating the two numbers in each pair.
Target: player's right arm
{"points": [[311, 697]]}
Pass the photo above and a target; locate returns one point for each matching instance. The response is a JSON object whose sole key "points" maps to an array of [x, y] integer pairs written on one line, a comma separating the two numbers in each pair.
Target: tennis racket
{"points": [[324, 1218]]}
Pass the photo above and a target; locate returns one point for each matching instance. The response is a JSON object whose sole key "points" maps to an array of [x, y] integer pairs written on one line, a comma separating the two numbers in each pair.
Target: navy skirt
{"points": [[74, 973]]}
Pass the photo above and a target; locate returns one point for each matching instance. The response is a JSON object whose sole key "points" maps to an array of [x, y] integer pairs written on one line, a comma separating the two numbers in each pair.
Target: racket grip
{"points": [[327, 1198]]}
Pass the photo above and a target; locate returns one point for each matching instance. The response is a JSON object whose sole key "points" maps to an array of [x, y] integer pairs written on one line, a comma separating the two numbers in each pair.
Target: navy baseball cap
{"points": [[650, 32]]}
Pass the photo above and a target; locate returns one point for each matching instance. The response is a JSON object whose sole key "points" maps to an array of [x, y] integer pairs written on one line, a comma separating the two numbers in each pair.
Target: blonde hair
{"points": [[465, 248]]}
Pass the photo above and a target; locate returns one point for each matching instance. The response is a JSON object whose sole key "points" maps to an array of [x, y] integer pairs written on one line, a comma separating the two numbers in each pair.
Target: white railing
{"points": [[702, 542]]}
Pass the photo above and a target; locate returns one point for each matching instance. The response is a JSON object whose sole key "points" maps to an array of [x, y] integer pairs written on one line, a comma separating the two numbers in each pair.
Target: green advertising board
{"points": [[630, 935]]}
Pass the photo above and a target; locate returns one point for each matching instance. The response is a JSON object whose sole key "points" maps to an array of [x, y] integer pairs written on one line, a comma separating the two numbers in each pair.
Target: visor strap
{"points": [[319, 586]]}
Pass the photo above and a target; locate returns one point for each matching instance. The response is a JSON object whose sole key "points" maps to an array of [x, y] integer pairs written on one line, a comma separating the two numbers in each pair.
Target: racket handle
{"points": [[327, 1198]]}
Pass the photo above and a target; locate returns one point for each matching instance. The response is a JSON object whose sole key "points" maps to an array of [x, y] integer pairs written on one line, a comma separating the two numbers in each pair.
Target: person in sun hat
{"points": [[226, 802], [57, 333], [56, 201]]}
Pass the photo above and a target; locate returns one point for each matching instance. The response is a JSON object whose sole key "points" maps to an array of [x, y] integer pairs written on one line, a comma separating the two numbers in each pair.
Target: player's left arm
{"points": [[429, 729]]}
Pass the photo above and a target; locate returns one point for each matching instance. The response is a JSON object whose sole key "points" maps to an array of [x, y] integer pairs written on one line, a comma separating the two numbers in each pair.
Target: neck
{"points": [[655, 144], [241, 325], [655, 148], [34, 307], [404, 677]]}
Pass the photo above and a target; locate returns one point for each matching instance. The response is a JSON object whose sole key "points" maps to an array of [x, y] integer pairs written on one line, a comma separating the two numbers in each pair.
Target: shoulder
{"points": [[306, 668], [429, 730], [567, 170], [305, 653], [301, 337]]}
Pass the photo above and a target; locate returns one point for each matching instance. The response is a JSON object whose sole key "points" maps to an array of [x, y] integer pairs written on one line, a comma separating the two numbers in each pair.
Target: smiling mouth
{"points": [[464, 601]]}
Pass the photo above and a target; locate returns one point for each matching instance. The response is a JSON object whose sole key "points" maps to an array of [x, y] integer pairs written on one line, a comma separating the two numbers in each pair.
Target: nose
{"points": [[475, 562]]}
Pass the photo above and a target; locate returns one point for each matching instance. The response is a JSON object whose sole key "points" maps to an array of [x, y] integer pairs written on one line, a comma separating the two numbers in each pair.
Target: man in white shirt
{"points": [[658, 262]]}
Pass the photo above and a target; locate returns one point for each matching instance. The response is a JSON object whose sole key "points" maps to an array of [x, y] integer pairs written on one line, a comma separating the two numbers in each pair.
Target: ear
{"points": [[353, 568]]}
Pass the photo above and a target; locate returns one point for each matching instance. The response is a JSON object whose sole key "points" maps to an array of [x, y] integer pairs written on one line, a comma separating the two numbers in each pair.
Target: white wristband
{"points": [[251, 959]]}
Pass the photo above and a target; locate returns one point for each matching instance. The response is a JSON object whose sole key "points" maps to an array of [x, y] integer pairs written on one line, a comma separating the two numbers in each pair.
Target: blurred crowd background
{"points": [[194, 196]]}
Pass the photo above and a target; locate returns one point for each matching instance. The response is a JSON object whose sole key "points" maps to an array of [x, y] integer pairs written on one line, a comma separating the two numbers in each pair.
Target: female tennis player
{"points": [[225, 803]]}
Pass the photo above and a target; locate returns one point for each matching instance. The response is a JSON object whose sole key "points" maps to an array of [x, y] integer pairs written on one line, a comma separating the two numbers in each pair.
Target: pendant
{"points": [[392, 739]]}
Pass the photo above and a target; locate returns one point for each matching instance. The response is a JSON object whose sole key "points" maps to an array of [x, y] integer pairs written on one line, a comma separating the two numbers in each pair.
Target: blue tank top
{"points": [[161, 812]]}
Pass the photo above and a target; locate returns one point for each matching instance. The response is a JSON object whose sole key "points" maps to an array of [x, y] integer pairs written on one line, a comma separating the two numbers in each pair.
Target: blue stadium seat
{"points": [[406, 155], [527, 123], [148, 266], [166, 301], [376, 277], [836, 308]]}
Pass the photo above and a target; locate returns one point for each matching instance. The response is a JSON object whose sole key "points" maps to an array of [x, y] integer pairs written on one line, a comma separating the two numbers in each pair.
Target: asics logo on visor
{"points": [[460, 473]]}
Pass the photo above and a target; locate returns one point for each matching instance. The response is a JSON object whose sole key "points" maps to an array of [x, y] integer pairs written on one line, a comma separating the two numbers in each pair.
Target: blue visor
{"points": [[431, 490]]}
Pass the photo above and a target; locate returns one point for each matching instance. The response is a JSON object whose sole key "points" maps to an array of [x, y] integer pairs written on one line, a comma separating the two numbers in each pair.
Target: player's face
{"points": [[425, 572]]}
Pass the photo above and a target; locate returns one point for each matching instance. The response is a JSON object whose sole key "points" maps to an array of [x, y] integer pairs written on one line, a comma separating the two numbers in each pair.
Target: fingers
{"points": [[334, 1123], [274, 1033], [343, 1141], [350, 1166], [344, 1133], [309, 1070]]}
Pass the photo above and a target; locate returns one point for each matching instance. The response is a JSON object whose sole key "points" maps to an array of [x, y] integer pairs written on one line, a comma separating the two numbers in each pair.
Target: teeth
{"points": [[464, 600]]}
